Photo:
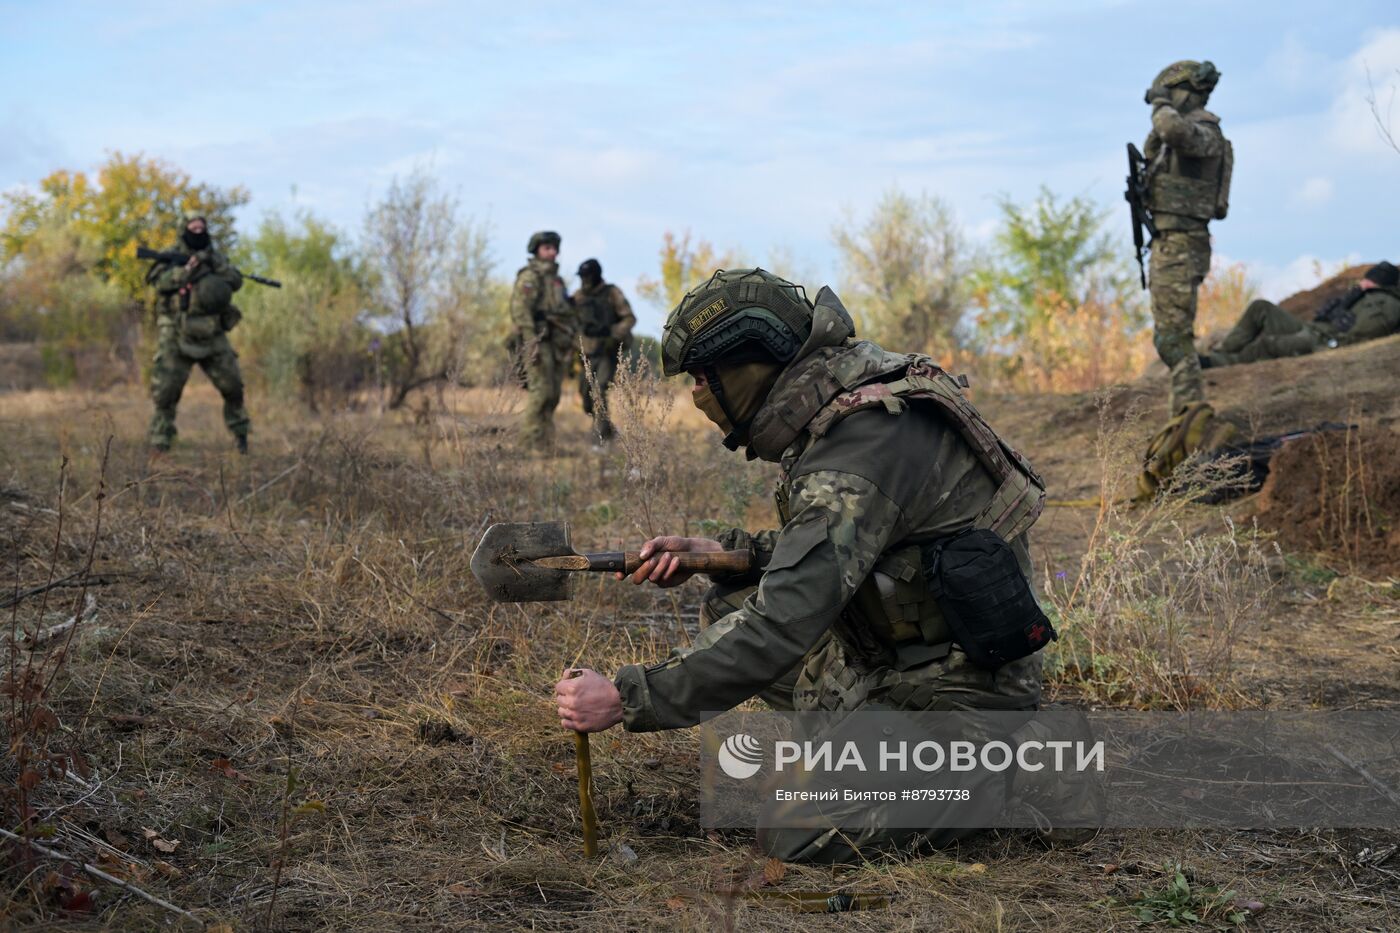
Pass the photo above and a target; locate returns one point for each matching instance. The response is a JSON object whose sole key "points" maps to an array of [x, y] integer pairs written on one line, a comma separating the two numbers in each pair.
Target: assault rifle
{"points": [[1136, 196], [179, 259]]}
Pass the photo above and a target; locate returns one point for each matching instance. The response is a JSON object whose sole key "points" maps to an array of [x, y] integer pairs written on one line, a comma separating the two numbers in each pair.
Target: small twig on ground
{"points": [[99, 873], [88, 613], [272, 482]]}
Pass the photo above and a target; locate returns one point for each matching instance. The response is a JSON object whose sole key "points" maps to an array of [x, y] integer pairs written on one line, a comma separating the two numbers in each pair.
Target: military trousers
{"points": [[1266, 332], [546, 365], [603, 366], [828, 679], [171, 371], [1180, 262]]}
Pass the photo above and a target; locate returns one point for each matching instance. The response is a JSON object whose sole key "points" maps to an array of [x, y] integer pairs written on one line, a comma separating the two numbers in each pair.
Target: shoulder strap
{"points": [[1020, 495]]}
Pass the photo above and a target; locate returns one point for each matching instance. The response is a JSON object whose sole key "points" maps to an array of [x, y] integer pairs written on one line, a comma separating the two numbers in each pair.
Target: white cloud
{"points": [[1277, 282], [1371, 74], [1315, 191]]}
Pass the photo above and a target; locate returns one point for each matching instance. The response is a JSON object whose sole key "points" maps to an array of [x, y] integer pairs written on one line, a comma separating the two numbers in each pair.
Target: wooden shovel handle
{"points": [[629, 561], [690, 561]]}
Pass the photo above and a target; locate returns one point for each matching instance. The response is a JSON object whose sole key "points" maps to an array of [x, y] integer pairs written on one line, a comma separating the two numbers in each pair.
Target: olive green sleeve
{"points": [[523, 299], [1189, 137], [760, 546], [170, 278], [220, 266], [1377, 315], [841, 523], [625, 319]]}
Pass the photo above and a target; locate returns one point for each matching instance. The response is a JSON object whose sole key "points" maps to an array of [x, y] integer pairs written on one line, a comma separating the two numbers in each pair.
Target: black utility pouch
{"points": [[985, 599]]}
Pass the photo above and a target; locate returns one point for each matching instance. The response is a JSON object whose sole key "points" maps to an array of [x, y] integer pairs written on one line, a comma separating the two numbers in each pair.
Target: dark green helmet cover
{"points": [[540, 238], [736, 316]]}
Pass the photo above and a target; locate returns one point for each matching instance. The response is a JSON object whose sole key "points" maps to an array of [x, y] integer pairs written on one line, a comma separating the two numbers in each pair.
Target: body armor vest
{"points": [[893, 620], [1181, 186]]}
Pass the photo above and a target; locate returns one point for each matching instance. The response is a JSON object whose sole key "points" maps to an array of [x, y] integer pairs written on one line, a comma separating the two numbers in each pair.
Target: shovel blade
{"points": [[504, 561]]}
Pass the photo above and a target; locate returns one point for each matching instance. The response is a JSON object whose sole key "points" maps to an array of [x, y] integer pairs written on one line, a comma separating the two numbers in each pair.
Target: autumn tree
{"points": [[684, 266], [68, 251], [904, 272], [309, 334], [1058, 308], [407, 241]]}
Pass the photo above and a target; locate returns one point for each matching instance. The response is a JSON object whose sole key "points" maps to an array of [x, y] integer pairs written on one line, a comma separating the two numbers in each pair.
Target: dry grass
{"points": [[293, 681], [1164, 592]]}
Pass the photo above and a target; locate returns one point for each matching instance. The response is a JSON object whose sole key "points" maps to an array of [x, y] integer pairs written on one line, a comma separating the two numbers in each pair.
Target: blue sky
{"points": [[755, 125]]}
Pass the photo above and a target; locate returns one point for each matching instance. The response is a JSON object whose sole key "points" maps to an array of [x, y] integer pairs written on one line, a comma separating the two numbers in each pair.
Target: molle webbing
{"points": [[1020, 494]]}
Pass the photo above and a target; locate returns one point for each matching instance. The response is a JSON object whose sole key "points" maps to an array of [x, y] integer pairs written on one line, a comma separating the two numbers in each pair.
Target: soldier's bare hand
{"points": [[587, 701], [660, 564], [194, 261]]}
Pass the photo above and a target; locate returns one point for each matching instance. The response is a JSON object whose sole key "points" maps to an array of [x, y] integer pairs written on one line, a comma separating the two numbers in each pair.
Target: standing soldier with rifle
{"points": [[1182, 184], [607, 322], [545, 336], [194, 313]]}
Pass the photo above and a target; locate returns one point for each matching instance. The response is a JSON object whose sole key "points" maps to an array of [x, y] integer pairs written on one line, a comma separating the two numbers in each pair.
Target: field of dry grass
{"points": [[291, 707]]}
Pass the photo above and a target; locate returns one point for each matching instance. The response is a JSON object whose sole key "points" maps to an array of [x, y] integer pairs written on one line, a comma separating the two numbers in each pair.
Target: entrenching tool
{"points": [[524, 562]]}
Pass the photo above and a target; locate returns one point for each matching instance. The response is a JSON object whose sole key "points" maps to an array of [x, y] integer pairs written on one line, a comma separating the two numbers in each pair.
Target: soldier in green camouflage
{"points": [[1369, 310], [607, 321], [880, 455], [546, 334], [194, 313], [1189, 164]]}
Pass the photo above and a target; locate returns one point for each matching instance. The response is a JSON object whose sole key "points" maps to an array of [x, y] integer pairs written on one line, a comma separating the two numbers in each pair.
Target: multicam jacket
{"points": [[605, 317], [539, 305], [867, 475], [1189, 168]]}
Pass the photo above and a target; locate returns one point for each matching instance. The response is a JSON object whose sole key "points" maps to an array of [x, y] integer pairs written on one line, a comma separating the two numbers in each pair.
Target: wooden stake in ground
{"points": [[585, 790], [585, 795]]}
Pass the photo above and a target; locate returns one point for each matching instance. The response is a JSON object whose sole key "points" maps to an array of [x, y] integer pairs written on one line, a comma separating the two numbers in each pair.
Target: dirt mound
{"points": [[1338, 494], [1304, 304]]}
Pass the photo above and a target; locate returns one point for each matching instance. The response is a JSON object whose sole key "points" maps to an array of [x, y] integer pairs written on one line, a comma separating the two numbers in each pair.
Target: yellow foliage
{"points": [[683, 267], [135, 201], [1067, 347], [1222, 298]]}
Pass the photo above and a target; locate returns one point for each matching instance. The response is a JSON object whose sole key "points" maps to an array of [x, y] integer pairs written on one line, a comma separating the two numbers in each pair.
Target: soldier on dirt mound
{"points": [[883, 458], [195, 312], [1189, 164], [545, 338], [607, 322], [1368, 311]]}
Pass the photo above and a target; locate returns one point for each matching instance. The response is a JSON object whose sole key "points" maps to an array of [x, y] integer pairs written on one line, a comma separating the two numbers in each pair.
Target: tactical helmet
{"points": [[590, 268], [540, 238], [1200, 76], [736, 316]]}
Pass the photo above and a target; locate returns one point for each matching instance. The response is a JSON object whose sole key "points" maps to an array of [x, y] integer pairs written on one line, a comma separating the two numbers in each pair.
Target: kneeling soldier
{"points": [[882, 458]]}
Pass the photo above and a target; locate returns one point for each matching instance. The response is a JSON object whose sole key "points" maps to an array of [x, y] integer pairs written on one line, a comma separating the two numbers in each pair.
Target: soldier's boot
{"points": [[241, 442]]}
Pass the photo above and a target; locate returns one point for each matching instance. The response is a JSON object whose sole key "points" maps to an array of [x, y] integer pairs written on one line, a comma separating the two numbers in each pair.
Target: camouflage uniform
{"points": [[193, 318], [607, 321], [548, 333], [867, 477], [1189, 163], [1267, 332]]}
